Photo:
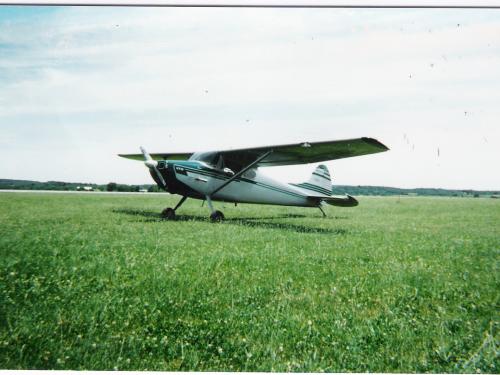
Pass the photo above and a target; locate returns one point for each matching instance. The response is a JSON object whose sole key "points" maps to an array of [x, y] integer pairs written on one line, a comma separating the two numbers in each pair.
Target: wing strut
{"points": [[260, 158]]}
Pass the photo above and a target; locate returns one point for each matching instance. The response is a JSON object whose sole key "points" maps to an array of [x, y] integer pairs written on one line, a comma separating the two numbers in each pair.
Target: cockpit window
{"points": [[211, 158]]}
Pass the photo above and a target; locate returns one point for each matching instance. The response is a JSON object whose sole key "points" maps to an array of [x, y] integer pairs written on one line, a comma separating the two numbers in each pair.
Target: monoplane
{"points": [[234, 175]]}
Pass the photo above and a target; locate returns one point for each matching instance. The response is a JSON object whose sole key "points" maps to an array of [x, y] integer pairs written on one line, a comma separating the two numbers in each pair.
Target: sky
{"points": [[78, 85]]}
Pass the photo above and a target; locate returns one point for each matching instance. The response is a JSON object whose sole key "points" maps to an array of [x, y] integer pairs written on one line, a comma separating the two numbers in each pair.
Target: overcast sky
{"points": [[80, 85]]}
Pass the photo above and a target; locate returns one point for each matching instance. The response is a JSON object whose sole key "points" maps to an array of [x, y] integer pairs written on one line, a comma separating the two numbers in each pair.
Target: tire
{"points": [[217, 217], [168, 214]]}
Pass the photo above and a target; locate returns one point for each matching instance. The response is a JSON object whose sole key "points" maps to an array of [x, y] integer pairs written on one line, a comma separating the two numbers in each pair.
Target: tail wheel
{"points": [[216, 217], [168, 214]]}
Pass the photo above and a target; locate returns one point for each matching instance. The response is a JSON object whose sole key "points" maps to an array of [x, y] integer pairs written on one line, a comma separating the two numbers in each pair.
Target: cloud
{"points": [[92, 82]]}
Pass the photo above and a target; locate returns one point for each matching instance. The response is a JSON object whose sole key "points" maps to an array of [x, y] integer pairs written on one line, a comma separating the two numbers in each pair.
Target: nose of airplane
{"points": [[151, 163]]}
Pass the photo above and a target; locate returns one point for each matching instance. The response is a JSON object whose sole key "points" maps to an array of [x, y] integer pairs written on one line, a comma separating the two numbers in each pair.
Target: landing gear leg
{"points": [[323, 212], [169, 213], [215, 216], [183, 199]]}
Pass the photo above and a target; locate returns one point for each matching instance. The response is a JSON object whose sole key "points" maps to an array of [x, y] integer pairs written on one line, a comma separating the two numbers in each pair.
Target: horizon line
{"points": [[333, 185]]}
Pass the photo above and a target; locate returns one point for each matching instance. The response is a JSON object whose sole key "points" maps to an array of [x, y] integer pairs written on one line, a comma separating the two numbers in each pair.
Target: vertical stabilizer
{"points": [[319, 182]]}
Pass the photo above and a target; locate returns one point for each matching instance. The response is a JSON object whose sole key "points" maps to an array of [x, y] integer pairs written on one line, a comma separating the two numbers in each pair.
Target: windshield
{"points": [[210, 158]]}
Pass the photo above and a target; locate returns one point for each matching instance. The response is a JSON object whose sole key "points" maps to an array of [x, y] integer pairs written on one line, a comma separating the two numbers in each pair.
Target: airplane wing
{"points": [[303, 153], [159, 156], [297, 153]]}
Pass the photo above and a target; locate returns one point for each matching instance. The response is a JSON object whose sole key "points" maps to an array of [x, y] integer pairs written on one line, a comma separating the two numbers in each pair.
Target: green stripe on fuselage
{"points": [[200, 169], [315, 188]]}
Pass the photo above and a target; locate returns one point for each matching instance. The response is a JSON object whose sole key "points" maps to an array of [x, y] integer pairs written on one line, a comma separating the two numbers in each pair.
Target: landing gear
{"points": [[323, 212], [216, 216], [169, 213]]}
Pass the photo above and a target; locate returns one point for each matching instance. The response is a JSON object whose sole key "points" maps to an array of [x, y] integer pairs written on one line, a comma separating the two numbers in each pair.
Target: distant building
{"points": [[143, 190]]}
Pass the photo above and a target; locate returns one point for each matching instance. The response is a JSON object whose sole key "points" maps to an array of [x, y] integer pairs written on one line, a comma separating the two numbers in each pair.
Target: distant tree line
{"points": [[113, 186], [6, 184], [385, 190], [337, 189]]}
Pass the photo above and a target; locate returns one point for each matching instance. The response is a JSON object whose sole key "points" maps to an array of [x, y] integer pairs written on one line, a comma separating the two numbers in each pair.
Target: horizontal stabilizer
{"points": [[341, 200]]}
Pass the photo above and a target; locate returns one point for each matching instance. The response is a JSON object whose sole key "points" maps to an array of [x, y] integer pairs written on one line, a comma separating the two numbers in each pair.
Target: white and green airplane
{"points": [[234, 175]]}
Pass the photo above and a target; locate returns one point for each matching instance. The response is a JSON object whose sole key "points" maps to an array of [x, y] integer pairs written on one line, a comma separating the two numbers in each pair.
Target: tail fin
{"points": [[319, 182]]}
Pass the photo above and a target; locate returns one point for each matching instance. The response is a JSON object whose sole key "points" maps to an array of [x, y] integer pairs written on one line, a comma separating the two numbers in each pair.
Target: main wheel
{"points": [[168, 213], [217, 216]]}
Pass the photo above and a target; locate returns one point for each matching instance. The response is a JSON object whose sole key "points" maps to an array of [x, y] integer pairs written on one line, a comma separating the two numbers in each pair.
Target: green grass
{"points": [[100, 282]]}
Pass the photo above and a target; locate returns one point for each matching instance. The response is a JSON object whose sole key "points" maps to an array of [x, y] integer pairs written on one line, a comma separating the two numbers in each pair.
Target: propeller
{"points": [[152, 165]]}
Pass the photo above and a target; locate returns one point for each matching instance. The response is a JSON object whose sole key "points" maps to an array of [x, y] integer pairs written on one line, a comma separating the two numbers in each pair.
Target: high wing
{"points": [[159, 156], [303, 153], [297, 153]]}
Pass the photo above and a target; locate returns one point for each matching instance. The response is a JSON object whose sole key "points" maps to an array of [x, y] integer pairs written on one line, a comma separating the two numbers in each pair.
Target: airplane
{"points": [[234, 175]]}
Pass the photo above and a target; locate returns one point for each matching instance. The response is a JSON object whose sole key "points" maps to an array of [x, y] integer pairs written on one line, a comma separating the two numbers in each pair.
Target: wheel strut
{"points": [[215, 216], [183, 199]]}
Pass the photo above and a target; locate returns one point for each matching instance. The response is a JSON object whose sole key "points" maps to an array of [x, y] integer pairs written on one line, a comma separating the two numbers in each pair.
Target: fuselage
{"points": [[197, 179]]}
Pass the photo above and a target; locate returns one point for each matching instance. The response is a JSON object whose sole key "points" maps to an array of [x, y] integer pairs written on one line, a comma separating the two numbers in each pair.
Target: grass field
{"points": [[97, 282]]}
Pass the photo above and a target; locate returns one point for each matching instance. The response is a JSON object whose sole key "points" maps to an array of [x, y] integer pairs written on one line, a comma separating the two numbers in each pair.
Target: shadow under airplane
{"points": [[251, 222]]}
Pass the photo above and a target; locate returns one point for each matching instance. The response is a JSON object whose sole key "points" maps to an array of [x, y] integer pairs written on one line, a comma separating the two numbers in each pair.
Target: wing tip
{"points": [[375, 143]]}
